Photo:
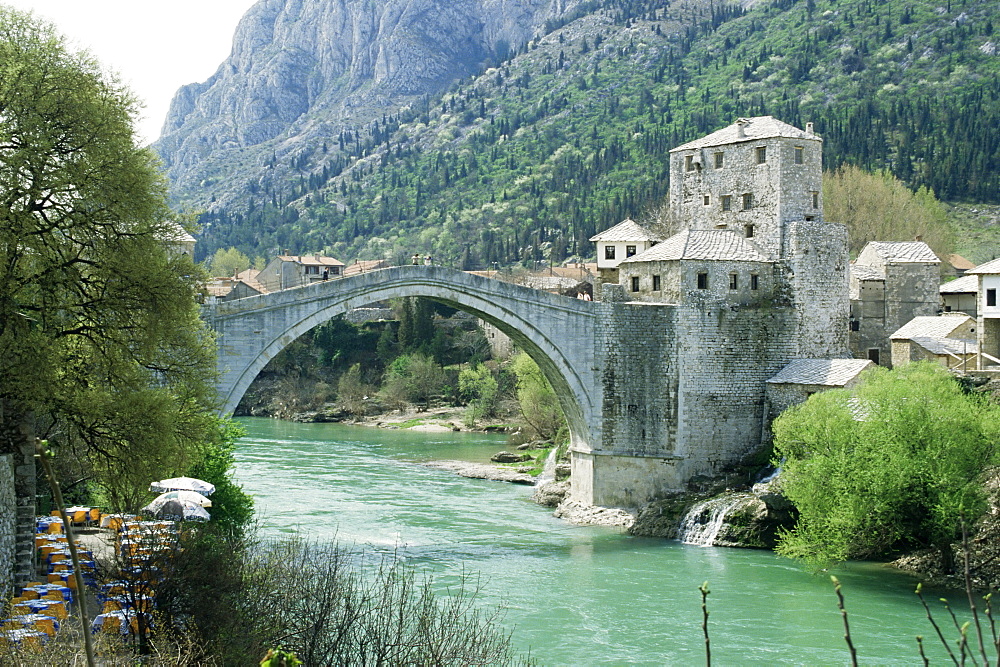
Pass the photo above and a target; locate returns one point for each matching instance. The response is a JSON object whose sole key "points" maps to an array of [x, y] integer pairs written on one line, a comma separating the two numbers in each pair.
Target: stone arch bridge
{"points": [[609, 363]]}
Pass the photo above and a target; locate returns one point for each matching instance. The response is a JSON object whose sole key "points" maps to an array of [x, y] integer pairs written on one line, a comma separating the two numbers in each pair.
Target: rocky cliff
{"points": [[307, 70]]}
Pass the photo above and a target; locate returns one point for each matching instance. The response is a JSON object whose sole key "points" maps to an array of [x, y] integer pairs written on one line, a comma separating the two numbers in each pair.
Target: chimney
{"points": [[741, 128], [809, 128], [918, 237]]}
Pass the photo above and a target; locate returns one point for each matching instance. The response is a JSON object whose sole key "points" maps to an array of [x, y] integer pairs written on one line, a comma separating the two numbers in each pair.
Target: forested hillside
{"points": [[571, 134]]}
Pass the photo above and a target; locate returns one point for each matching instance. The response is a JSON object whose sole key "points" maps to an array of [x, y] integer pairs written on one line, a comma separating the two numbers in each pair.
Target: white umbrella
{"points": [[180, 510], [183, 484], [185, 497]]}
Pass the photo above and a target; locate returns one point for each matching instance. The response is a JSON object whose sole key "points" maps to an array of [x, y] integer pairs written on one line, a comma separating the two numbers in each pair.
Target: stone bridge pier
{"points": [[611, 364]]}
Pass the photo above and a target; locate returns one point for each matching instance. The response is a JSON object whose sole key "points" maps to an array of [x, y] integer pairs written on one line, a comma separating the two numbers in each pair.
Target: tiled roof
{"points": [[365, 265], [625, 231], [927, 326], [311, 260], [712, 244], [992, 266], [865, 272], [962, 285], [827, 372], [952, 346], [960, 263], [754, 129], [174, 233], [904, 251]]}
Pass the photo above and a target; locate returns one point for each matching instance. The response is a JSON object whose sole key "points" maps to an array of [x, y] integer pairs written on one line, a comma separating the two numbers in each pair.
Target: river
{"points": [[574, 596]]}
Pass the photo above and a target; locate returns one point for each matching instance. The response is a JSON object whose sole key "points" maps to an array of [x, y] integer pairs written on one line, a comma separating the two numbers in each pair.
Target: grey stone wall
{"points": [[817, 259]]}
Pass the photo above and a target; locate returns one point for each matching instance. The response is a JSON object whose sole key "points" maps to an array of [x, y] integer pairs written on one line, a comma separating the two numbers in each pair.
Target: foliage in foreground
{"points": [[895, 463], [326, 604]]}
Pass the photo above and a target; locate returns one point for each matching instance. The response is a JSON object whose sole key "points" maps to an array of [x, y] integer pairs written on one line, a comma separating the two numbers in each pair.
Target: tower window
{"points": [[719, 160], [702, 280], [629, 250], [748, 231], [761, 153], [815, 198], [800, 155], [733, 281], [754, 281], [747, 201], [609, 252], [727, 202], [635, 283], [688, 163], [706, 200], [656, 283]]}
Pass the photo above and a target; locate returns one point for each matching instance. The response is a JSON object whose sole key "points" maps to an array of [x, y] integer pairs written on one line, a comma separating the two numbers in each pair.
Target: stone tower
{"points": [[753, 177]]}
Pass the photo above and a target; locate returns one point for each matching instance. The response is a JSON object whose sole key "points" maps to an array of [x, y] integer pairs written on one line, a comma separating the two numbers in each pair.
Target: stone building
{"points": [[890, 284], [948, 339], [961, 295], [285, 271], [756, 280], [626, 239], [988, 314], [804, 377]]}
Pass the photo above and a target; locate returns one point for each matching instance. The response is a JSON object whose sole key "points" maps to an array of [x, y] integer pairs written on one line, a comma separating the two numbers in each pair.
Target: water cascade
{"points": [[548, 473], [703, 522]]}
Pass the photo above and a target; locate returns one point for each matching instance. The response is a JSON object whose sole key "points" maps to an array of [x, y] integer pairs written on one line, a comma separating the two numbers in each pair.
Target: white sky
{"points": [[155, 46]]}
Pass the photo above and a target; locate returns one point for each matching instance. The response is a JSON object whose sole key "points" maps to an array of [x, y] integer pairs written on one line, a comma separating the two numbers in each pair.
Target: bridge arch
{"points": [[557, 332]]}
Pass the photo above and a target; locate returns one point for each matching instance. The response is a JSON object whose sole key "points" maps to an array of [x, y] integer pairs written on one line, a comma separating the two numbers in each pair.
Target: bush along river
{"points": [[574, 596]]}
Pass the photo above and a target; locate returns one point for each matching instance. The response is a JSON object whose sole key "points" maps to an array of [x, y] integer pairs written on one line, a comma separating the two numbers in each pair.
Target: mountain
{"points": [[520, 158], [310, 70]]}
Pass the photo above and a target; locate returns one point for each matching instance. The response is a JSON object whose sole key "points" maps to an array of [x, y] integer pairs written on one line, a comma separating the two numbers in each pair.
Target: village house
{"points": [[626, 239], [285, 271], [948, 339], [890, 284], [961, 295]]}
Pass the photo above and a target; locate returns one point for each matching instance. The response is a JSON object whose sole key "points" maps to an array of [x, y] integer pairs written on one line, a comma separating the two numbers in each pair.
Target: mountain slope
{"points": [[303, 71], [525, 161]]}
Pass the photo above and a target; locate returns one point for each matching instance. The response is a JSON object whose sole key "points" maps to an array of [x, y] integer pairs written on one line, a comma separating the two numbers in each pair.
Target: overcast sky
{"points": [[155, 46]]}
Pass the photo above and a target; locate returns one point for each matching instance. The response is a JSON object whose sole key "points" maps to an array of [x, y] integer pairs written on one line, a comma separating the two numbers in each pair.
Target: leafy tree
{"points": [[536, 398], [895, 463], [479, 388], [228, 262], [101, 348], [413, 378], [352, 390], [879, 207], [232, 509]]}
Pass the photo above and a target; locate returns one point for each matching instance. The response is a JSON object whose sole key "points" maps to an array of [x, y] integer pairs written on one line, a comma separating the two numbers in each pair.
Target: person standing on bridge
{"points": [[416, 258], [427, 260]]}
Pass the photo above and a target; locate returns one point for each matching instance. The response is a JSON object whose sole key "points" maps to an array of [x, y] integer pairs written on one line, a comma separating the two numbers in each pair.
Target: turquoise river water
{"points": [[574, 596]]}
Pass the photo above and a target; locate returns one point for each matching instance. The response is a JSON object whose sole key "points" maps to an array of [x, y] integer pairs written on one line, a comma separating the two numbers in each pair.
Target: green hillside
{"points": [[527, 160]]}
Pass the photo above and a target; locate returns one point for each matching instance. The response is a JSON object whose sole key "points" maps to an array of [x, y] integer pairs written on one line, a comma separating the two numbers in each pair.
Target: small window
{"points": [[629, 250], [748, 231], [635, 283], [702, 280], [688, 163], [855, 325], [873, 354], [800, 155], [747, 201], [815, 198], [656, 283], [734, 281], [761, 153], [754, 281], [991, 297], [719, 160], [706, 200], [312, 269], [727, 202], [609, 252]]}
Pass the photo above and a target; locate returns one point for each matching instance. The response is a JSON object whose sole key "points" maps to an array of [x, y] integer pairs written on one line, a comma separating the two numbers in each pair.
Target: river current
{"points": [[573, 596]]}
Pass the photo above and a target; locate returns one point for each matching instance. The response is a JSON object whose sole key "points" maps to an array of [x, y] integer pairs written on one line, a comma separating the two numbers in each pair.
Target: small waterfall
{"points": [[548, 473], [702, 523]]}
